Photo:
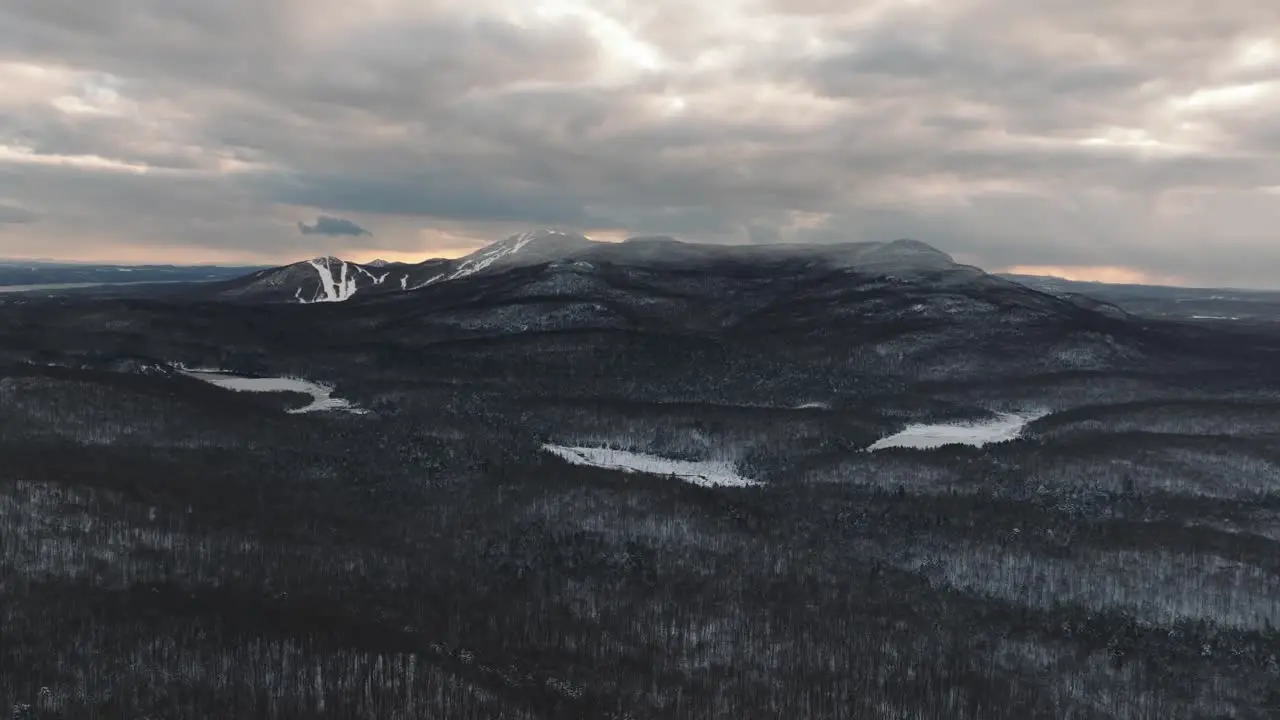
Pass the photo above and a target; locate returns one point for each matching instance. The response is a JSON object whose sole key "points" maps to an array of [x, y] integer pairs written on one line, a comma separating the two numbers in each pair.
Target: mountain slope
{"points": [[332, 279], [858, 315], [881, 307], [324, 280]]}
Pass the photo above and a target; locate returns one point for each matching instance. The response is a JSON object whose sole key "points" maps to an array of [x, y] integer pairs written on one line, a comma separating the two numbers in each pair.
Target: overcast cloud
{"points": [[1095, 137]]}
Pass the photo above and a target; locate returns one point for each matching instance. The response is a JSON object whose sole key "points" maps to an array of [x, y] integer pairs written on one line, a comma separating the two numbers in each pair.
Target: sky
{"points": [[1093, 139]]}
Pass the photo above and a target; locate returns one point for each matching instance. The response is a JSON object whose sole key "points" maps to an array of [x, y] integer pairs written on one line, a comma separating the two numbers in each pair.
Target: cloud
{"points": [[1081, 133], [332, 226], [15, 215]]}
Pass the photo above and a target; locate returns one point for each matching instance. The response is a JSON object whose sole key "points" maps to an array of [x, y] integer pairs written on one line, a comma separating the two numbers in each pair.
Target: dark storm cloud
{"points": [[1055, 133], [332, 226]]}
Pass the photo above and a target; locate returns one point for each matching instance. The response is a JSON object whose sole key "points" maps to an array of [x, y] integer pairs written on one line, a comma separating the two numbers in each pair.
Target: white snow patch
{"points": [[332, 289], [1007, 426], [521, 240], [1213, 317], [475, 265], [813, 406], [495, 252], [428, 281], [321, 395], [377, 279], [707, 473]]}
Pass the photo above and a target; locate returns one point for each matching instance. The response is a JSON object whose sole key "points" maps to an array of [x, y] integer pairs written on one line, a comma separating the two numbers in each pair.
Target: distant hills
{"points": [[23, 273], [1161, 301], [332, 279]]}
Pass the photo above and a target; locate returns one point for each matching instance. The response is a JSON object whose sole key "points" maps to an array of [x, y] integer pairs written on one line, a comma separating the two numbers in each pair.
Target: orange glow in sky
{"points": [[1096, 273]]}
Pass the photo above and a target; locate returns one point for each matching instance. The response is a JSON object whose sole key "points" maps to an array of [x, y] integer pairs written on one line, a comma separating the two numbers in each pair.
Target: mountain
{"points": [[890, 309], [1216, 305], [331, 279], [325, 279], [527, 248]]}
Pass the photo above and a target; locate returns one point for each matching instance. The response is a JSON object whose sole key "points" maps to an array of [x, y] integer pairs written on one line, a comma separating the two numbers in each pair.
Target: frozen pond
{"points": [[707, 473], [1006, 426], [321, 395]]}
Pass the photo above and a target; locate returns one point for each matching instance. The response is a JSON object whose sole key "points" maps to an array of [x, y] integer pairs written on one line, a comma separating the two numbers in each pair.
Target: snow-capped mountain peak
{"points": [[533, 246], [519, 241]]}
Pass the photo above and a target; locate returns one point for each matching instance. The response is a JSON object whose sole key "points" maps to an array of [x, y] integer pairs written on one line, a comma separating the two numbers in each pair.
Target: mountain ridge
{"points": [[332, 279]]}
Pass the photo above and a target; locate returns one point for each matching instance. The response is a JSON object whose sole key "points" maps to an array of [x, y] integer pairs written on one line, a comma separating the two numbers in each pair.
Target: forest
{"points": [[173, 550]]}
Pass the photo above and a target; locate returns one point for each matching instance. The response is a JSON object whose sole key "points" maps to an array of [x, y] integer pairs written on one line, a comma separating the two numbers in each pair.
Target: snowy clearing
{"points": [[707, 473], [321, 396], [1007, 426]]}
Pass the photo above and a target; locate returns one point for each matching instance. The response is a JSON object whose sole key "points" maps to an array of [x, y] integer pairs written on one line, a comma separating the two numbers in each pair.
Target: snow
{"points": [[377, 279], [480, 262], [707, 473], [332, 289], [1006, 426], [521, 240], [404, 282], [813, 406], [321, 395], [427, 282], [1213, 317], [495, 252]]}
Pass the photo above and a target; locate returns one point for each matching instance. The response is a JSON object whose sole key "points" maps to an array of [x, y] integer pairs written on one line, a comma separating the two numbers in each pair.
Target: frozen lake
{"points": [[321, 395], [1006, 426], [707, 473]]}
